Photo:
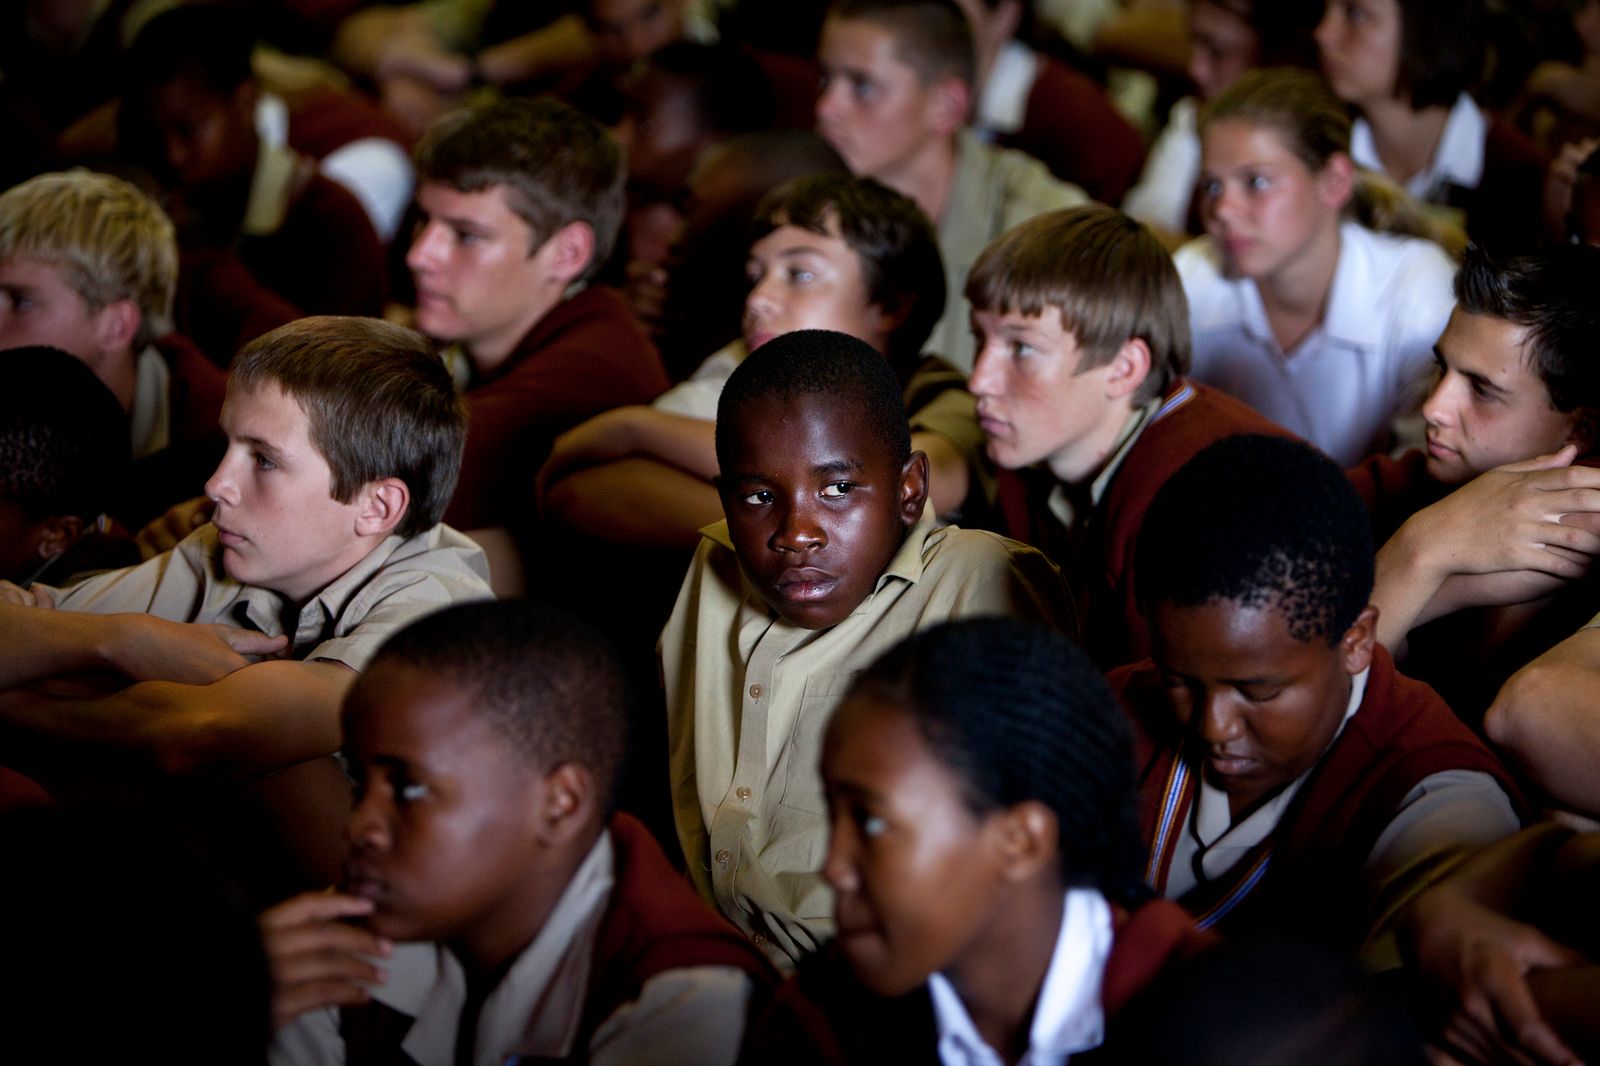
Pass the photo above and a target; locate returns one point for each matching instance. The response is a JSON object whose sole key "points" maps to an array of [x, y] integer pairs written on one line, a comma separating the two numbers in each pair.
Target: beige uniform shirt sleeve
{"points": [[749, 697]]}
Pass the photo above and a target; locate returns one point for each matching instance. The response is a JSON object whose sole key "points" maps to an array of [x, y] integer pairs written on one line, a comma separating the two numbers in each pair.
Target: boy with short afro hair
{"points": [[827, 557], [94, 263], [63, 462], [344, 436], [1293, 782], [896, 98], [520, 200], [1083, 343], [486, 741]]}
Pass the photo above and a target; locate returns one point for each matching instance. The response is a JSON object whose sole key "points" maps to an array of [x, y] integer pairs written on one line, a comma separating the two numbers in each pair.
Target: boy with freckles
{"points": [[1293, 782], [827, 557], [493, 909]]}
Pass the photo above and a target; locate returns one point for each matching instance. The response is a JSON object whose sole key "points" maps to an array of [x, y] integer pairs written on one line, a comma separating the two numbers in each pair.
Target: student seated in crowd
{"points": [[1226, 38], [1037, 104], [828, 252], [896, 96], [89, 264], [189, 112], [493, 907], [1409, 67], [828, 556], [344, 436], [63, 462], [519, 201], [1508, 947], [1083, 341], [1315, 319], [1293, 782], [1476, 520], [985, 856]]}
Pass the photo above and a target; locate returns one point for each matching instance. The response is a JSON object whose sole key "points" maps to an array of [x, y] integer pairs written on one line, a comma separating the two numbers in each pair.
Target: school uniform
{"points": [[1165, 192], [176, 443], [630, 968], [1367, 363], [749, 696], [1104, 955], [993, 190], [586, 355], [1336, 853], [399, 581], [1484, 170], [1039, 105], [1091, 530]]}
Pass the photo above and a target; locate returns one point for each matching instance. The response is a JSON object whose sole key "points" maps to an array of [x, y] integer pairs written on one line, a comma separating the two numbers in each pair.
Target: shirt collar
{"points": [[1458, 160], [427, 982], [271, 613], [1004, 100], [1349, 319], [1213, 820], [1068, 1017], [277, 176], [150, 421]]}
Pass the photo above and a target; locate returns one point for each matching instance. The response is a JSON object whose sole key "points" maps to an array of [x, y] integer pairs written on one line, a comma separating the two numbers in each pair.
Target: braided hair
{"points": [[1018, 712]]}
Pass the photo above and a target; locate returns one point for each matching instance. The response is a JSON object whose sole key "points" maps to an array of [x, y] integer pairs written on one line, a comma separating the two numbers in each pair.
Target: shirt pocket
{"points": [[802, 758]]}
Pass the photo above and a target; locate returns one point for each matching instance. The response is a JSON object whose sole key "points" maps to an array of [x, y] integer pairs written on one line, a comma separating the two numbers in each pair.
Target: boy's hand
{"points": [[1480, 960], [164, 533], [1541, 514], [147, 648], [30, 597], [315, 957]]}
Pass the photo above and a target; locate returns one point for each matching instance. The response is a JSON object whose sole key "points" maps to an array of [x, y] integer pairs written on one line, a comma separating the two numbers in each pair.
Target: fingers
{"points": [[317, 958], [250, 642], [313, 906], [289, 1002], [18, 595], [1552, 461]]}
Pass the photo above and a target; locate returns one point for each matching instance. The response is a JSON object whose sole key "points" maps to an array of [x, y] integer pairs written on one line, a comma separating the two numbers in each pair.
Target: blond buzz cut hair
{"points": [[109, 240]]}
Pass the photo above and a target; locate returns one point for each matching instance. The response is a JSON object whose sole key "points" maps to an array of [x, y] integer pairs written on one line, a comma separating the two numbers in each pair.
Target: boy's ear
{"points": [[949, 106], [913, 487], [1337, 181], [1128, 368], [117, 324], [384, 503], [54, 535], [565, 802], [1030, 840], [1585, 422], [1355, 647], [571, 248]]}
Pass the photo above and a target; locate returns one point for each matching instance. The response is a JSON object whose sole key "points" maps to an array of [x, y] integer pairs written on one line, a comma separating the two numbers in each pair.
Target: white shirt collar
{"points": [[1004, 100], [272, 120], [1067, 1018], [536, 1008], [1457, 161], [150, 420]]}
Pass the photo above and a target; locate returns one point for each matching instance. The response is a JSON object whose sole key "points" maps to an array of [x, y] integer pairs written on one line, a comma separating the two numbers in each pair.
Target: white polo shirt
{"points": [[1365, 364]]}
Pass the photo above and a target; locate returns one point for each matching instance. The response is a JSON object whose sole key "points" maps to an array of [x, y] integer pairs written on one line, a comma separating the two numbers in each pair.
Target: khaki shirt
{"points": [[399, 581], [993, 190], [749, 696]]}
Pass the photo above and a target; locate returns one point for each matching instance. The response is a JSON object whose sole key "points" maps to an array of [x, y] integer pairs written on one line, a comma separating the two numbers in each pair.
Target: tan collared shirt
{"points": [[399, 581], [749, 696]]}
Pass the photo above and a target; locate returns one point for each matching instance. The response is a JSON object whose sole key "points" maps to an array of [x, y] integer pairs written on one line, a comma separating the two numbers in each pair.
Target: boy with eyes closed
{"points": [[827, 557], [1292, 781]]}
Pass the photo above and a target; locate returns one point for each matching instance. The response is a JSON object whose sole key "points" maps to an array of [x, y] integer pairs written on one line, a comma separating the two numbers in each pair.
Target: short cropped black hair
{"points": [[812, 362], [1019, 713], [1260, 521], [932, 37], [1551, 294], [209, 44], [63, 436], [899, 250], [545, 679]]}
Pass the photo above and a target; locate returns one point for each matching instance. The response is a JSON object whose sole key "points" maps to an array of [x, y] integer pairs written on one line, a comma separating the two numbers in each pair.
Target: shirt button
{"points": [[723, 856], [742, 793], [755, 692], [758, 939]]}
